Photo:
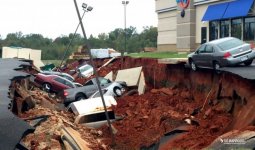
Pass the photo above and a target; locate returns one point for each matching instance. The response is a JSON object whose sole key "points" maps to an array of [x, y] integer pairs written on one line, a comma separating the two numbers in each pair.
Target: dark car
{"points": [[53, 83], [222, 52], [89, 88]]}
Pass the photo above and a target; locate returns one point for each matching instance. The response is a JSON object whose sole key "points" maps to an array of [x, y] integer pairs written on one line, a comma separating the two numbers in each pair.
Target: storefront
{"points": [[185, 24]]}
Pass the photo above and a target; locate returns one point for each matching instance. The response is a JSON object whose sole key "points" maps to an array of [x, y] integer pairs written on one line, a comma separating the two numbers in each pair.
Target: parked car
{"points": [[61, 74], [85, 71], [89, 88], [223, 52], [53, 83]]}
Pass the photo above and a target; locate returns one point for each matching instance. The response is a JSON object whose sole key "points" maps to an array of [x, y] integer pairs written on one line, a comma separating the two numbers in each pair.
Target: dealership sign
{"points": [[183, 3]]}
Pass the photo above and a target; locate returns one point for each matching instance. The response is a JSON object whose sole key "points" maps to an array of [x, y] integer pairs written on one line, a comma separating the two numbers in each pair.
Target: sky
{"points": [[53, 18]]}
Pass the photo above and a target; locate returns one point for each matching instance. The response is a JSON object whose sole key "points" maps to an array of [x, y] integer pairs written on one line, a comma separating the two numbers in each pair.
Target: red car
{"points": [[53, 83]]}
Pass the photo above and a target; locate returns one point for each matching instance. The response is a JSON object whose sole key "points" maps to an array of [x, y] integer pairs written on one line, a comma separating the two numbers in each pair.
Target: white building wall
{"points": [[165, 4], [200, 10], [8, 52], [24, 53], [167, 27]]}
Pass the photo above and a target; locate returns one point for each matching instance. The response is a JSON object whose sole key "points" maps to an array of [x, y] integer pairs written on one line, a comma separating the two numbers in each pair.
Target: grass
{"points": [[159, 55]]}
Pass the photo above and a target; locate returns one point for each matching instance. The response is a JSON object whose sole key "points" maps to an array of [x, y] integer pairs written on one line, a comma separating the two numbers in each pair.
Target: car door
{"points": [[58, 84], [208, 56], [91, 87], [198, 56]]}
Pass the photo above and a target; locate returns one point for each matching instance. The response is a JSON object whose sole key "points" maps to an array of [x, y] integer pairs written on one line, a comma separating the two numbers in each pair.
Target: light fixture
{"points": [[84, 5], [89, 8]]}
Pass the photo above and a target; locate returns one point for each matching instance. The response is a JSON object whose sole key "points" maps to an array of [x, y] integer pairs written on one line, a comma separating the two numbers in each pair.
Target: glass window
{"points": [[213, 30], [89, 83], [103, 81], [69, 84], [224, 28], [209, 49], [236, 28], [201, 49], [226, 45], [249, 28], [60, 80]]}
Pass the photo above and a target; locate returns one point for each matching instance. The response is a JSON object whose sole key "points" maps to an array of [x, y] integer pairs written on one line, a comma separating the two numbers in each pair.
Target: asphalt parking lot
{"points": [[247, 72]]}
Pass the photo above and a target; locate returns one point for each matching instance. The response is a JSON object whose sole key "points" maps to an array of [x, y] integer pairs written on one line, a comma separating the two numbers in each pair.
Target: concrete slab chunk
{"points": [[130, 76], [109, 76], [141, 85]]}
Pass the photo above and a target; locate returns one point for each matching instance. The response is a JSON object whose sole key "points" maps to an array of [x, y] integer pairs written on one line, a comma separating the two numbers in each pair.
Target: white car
{"points": [[111, 90], [90, 112], [85, 71]]}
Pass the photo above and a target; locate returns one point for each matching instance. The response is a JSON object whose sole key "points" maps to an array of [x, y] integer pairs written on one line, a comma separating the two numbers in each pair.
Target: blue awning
{"points": [[227, 10], [215, 12], [238, 8]]}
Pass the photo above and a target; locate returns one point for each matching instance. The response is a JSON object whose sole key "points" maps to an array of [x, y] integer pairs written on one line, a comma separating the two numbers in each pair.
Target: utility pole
{"points": [[95, 71], [125, 27]]}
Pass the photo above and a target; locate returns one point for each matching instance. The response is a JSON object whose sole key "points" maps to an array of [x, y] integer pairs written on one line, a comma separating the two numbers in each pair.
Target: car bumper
{"points": [[238, 60], [68, 100]]}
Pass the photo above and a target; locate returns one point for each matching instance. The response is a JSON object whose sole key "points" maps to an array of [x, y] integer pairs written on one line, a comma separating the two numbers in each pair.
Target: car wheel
{"points": [[117, 91], [46, 87], [193, 65], [248, 62], [216, 65], [80, 97]]}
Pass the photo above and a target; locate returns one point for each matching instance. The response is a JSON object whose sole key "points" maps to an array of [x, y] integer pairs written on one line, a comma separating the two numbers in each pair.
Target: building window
{"points": [[236, 28], [213, 30], [224, 28], [249, 28]]}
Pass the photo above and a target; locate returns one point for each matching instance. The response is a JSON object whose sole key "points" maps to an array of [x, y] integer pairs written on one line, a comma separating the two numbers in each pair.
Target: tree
{"points": [[54, 49]]}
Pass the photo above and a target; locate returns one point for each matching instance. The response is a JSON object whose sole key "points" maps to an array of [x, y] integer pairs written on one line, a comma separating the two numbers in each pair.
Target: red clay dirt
{"points": [[173, 92]]}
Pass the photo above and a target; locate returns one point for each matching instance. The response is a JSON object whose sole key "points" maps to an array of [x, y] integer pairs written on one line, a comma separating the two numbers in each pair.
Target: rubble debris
{"points": [[174, 98], [72, 139]]}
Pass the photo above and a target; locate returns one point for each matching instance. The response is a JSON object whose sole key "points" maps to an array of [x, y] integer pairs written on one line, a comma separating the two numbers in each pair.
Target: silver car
{"points": [[222, 52]]}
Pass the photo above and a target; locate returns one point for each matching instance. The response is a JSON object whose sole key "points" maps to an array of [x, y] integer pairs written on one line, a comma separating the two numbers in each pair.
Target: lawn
{"points": [[159, 55]]}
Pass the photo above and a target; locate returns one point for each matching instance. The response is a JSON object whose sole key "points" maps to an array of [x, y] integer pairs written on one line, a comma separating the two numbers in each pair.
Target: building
{"points": [[25, 53], [184, 24]]}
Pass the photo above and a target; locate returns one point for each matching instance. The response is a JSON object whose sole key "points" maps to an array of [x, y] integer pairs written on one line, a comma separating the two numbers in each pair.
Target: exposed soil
{"points": [[212, 103]]}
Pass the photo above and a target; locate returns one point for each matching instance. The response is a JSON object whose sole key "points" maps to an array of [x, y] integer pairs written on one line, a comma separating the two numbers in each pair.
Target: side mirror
{"points": [[197, 52]]}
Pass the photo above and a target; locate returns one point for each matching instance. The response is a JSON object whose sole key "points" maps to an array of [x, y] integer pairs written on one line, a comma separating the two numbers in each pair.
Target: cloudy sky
{"points": [[53, 18]]}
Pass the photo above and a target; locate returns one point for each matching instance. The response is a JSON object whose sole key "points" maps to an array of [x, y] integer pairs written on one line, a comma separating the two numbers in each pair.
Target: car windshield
{"points": [[229, 44]]}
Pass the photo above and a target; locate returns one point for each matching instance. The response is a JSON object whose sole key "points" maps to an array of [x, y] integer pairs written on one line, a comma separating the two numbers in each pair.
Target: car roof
{"points": [[84, 66], [49, 75], [217, 41]]}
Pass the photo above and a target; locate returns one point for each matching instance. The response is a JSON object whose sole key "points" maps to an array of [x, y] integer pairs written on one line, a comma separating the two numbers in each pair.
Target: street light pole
{"points": [[125, 23], [95, 72]]}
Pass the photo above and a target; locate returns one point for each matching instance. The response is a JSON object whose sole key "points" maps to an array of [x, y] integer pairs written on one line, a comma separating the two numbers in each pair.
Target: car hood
{"points": [[191, 54]]}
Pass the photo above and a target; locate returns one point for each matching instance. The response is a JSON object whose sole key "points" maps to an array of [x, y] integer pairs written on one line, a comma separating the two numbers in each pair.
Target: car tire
{"points": [[193, 65], [80, 97], [46, 87], [117, 91], [216, 65], [248, 62]]}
